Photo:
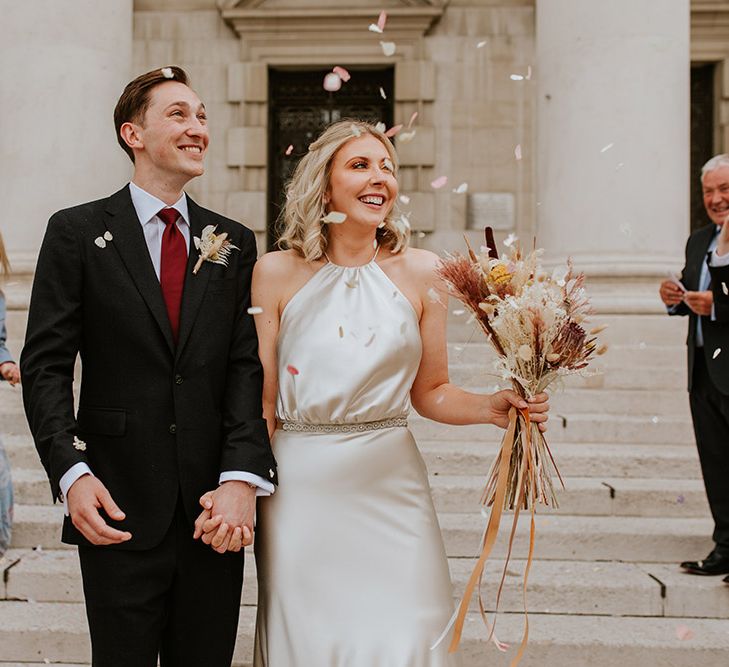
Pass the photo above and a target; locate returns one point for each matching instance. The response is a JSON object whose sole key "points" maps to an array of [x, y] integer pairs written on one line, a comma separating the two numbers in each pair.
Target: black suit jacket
{"points": [[715, 332], [158, 420]]}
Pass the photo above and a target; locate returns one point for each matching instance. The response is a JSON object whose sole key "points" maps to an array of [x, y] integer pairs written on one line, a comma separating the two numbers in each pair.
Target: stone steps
{"points": [[461, 493], [560, 537], [39, 632], [562, 587]]}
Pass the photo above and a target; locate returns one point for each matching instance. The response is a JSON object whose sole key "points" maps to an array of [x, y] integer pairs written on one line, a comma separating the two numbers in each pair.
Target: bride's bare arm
{"points": [[266, 291], [432, 395]]}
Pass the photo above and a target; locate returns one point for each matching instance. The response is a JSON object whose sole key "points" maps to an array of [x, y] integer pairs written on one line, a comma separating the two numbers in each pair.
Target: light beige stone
{"points": [[415, 80], [248, 208], [419, 151], [247, 146], [247, 82]]}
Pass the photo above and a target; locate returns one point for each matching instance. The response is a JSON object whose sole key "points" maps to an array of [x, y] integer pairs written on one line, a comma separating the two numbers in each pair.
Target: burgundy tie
{"points": [[172, 267]]}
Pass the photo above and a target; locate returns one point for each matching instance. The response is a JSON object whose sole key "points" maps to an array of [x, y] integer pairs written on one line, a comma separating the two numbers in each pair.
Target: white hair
{"points": [[718, 161]]}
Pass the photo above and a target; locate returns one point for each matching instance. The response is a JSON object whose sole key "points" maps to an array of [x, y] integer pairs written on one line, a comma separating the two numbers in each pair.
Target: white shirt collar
{"points": [[147, 206]]}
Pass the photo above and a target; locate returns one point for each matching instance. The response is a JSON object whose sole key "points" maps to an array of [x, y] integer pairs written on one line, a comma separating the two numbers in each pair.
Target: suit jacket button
{"points": [[173, 428], [178, 379]]}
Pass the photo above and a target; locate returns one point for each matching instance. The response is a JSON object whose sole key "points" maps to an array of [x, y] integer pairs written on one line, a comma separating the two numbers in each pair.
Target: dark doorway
{"points": [[300, 108], [702, 135]]}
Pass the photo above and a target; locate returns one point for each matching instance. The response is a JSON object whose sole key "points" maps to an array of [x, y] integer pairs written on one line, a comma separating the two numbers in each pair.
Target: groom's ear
{"points": [[129, 132]]}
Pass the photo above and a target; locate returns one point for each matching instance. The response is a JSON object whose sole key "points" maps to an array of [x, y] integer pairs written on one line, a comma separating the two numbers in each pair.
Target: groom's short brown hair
{"points": [[134, 101]]}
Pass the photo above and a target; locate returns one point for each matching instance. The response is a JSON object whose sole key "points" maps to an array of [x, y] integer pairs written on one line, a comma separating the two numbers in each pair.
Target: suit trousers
{"points": [[710, 413], [179, 600]]}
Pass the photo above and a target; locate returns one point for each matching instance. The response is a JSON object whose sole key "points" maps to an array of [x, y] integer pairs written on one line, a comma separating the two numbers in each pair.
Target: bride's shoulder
{"points": [[419, 261], [278, 263]]}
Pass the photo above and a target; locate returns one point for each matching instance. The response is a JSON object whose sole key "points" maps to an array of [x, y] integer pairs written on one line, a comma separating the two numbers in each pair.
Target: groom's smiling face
{"points": [[174, 132]]}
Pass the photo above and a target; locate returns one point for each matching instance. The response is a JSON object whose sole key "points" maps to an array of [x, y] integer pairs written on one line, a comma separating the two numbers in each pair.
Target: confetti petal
{"points": [[606, 148], [655, 419], [480, 45], [412, 119], [463, 187], [381, 127], [439, 182], [393, 130], [509, 240], [383, 94], [406, 137], [332, 82], [717, 352], [344, 75], [292, 370], [387, 162], [404, 199], [99, 241], [529, 73], [289, 150], [388, 48], [334, 218], [517, 152], [381, 20], [459, 311], [355, 130], [684, 633], [517, 77], [108, 236], [255, 310], [167, 73], [724, 288], [374, 28]]}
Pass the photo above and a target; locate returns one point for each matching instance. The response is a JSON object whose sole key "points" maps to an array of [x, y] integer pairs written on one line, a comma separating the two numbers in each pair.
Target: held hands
{"points": [[671, 294], [502, 402], [226, 522], [699, 302], [85, 497], [10, 372]]}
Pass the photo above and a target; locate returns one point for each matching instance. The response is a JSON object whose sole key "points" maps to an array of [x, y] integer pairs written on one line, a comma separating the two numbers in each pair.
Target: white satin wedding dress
{"points": [[352, 571]]}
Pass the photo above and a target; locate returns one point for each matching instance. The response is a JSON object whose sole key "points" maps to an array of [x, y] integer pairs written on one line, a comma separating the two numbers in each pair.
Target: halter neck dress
{"points": [[352, 571]]}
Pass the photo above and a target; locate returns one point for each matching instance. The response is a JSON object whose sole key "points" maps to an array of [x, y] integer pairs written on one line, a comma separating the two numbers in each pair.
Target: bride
{"points": [[352, 571]]}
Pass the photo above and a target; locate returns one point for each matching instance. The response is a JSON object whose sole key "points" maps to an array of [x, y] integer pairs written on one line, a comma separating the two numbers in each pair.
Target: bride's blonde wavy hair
{"points": [[303, 229]]}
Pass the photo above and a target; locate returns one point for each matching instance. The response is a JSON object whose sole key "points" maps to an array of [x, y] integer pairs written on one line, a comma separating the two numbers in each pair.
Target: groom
{"points": [[170, 400]]}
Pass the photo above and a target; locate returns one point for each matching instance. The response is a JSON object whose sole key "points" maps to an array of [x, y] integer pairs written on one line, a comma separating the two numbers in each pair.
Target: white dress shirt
{"points": [[147, 206]]}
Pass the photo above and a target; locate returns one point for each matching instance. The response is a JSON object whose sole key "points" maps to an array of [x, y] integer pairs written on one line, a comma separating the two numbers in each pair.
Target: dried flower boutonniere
{"points": [[213, 247]]}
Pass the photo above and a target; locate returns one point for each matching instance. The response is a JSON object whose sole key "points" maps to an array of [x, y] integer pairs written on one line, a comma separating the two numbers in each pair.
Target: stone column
{"points": [[63, 65], [613, 143]]}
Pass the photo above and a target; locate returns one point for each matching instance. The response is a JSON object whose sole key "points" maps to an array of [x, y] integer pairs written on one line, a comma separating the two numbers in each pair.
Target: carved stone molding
{"points": [[709, 30]]}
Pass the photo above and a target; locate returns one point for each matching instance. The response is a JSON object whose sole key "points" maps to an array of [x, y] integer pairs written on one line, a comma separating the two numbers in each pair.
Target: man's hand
{"points": [[86, 495], [503, 401], [699, 302], [226, 523], [671, 294], [10, 372]]}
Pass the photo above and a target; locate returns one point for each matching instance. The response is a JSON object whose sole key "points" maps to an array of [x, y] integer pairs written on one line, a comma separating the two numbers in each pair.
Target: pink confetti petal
{"points": [[684, 633], [412, 119], [292, 369], [393, 130], [344, 75], [439, 182], [381, 20], [332, 82], [289, 150]]}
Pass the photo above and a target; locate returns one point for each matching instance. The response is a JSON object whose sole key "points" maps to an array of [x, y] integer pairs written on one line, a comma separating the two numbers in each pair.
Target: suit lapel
{"points": [[129, 242], [195, 285], [699, 256]]}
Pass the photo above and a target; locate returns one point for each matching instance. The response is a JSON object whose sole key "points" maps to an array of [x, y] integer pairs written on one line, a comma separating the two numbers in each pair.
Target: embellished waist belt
{"points": [[306, 427]]}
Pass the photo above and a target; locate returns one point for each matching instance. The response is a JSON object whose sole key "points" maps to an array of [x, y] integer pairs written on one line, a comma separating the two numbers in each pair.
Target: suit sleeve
{"points": [[52, 343], [246, 445], [681, 308]]}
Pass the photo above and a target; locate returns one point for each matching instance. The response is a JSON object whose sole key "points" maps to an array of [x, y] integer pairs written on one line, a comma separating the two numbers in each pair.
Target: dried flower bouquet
{"points": [[535, 323]]}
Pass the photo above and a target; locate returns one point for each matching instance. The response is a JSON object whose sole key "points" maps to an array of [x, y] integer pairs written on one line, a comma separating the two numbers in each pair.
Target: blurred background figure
{"points": [[9, 372]]}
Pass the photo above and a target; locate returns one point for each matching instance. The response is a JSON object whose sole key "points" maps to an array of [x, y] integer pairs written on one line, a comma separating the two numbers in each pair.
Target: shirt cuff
{"points": [[67, 481], [265, 488], [719, 260]]}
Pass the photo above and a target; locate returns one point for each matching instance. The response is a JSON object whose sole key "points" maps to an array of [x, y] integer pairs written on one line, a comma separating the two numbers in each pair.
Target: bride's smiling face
{"points": [[362, 184]]}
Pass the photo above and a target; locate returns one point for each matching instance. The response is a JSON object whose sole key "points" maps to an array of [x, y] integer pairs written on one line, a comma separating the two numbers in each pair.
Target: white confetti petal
{"points": [[355, 130], [724, 288], [332, 82], [509, 240], [383, 94], [334, 217], [606, 148], [99, 241], [655, 419], [167, 73], [108, 236], [517, 152], [375, 28], [717, 352], [516, 77], [529, 73], [255, 310], [388, 48], [481, 44], [463, 187], [406, 137], [404, 199], [381, 127], [458, 311]]}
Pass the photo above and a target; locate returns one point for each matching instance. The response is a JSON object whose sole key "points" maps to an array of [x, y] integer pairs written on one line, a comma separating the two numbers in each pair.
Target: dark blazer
{"points": [[715, 332], [158, 420]]}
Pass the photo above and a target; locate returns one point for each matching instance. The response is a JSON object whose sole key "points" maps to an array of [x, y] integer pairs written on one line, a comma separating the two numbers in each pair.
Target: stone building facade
{"points": [[567, 119]]}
